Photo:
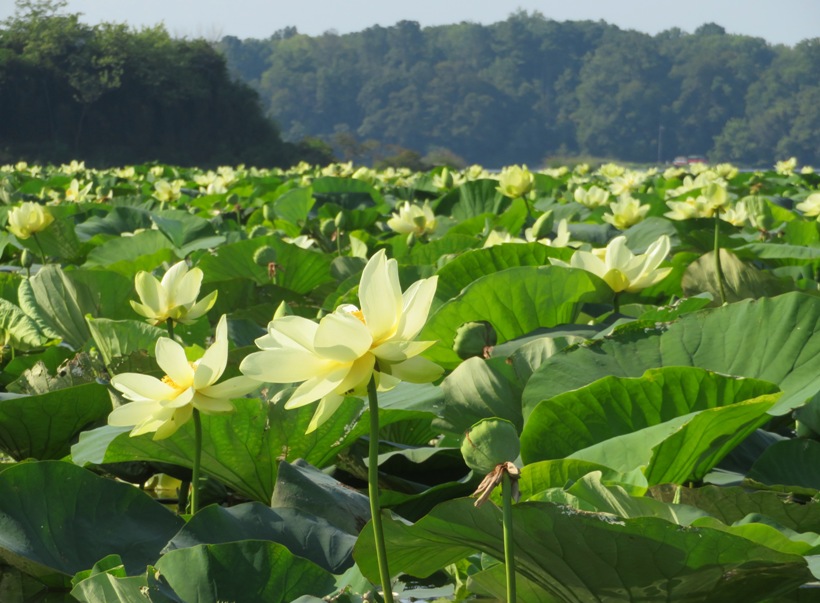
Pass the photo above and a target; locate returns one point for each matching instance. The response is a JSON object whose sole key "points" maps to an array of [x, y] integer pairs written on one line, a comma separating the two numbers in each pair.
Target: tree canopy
{"points": [[530, 87]]}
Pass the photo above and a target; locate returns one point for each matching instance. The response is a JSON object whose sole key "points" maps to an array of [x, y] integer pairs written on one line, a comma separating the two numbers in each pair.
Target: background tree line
{"points": [[111, 95], [529, 87]]}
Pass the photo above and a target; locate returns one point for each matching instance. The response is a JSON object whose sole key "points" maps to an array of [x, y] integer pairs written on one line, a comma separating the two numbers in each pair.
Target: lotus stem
{"points": [[373, 491], [169, 324], [616, 303], [509, 545], [718, 268], [197, 462], [40, 247]]}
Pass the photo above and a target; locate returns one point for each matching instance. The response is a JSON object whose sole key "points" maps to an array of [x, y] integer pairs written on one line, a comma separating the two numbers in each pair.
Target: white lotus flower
{"points": [[28, 219], [164, 405], [626, 211], [173, 298], [810, 206], [619, 267], [338, 355], [413, 218]]}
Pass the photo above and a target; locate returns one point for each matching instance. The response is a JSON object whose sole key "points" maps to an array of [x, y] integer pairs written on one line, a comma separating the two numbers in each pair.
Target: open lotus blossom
{"points": [[164, 405], [810, 206], [416, 219], [338, 355], [626, 211], [619, 267], [28, 219], [172, 298]]}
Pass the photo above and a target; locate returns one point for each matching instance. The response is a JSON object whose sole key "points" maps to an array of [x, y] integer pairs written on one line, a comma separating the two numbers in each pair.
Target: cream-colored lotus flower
{"points": [[714, 198], [619, 267], [810, 206], [592, 198], [413, 218], [784, 168], [515, 181], [164, 405], [626, 211], [28, 219], [172, 298], [338, 355]]}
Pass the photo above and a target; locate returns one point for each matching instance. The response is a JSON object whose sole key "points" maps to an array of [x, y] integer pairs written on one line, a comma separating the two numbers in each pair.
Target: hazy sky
{"points": [[778, 21]]}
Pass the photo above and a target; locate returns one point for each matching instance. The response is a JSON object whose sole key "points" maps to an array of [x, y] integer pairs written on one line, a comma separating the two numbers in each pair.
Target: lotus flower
{"points": [[29, 219], [173, 298], [413, 219], [341, 353], [515, 181], [619, 267], [163, 406]]}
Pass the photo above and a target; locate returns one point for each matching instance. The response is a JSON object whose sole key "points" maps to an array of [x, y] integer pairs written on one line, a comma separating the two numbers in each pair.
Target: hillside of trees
{"points": [[529, 88], [111, 95]]}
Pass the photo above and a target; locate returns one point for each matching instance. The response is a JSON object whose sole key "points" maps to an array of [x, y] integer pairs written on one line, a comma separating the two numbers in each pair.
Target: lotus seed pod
{"points": [[474, 339], [543, 225], [264, 256], [489, 443], [26, 259]]}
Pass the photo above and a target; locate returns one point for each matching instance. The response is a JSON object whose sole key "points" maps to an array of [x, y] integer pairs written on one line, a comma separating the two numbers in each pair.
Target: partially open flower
{"points": [[28, 219], [515, 181], [415, 219], [619, 267], [172, 298]]}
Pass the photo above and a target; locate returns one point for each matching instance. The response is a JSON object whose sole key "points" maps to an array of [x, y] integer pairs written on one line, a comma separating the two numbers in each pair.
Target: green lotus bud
{"points": [[268, 213], [26, 258], [328, 227], [474, 339], [489, 443], [340, 221], [264, 256], [543, 226]]}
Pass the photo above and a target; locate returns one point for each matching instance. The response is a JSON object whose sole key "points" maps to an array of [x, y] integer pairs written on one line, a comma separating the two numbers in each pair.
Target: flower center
{"points": [[358, 314], [168, 381]]}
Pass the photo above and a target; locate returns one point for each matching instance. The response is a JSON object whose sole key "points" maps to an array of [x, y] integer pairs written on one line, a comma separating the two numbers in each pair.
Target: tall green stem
{"points": [[197, 462], [40, 247], [718, 268], [169, 325], [373, 491], [509, 545]]}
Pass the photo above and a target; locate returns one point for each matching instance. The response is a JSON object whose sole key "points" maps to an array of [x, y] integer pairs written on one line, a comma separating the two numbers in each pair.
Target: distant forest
{"points": [[530, 88], [110, 95]]}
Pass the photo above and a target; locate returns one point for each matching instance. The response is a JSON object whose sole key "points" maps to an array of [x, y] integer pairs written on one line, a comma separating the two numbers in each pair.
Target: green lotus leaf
{"points": [[75, 519]]}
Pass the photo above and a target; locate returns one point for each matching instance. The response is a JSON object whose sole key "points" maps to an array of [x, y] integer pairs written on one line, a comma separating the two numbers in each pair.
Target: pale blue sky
{"points": [[777, 21]]}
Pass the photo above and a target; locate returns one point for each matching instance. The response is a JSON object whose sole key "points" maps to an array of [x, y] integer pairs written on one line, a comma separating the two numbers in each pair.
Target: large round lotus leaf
{"points": [[57, 519]]}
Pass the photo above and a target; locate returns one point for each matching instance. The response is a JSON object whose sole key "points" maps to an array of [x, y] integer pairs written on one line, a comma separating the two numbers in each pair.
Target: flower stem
{"points": [[509, 545], [718, 268], [373, 491], [169, 324], [197, 462], [40, 247], [616, 303]]}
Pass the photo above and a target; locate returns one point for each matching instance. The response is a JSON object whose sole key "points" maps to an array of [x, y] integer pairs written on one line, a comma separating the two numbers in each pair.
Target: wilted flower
{"points": [[173, 298], [515, 181], [28, 219], [619, 267], [626, 211], [339, 355], [413, 218], [163, 406]]}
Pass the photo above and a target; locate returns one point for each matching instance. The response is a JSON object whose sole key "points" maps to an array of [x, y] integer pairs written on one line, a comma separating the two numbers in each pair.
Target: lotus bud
{"points": [[340, 221], [268, 212], [489, 443], [474, 339], [26, 259], [264, 256]]}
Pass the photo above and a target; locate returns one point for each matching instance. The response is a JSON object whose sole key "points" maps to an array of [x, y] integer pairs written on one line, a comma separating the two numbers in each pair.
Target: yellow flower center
{"points": [[168, 381], [358, 314]]}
